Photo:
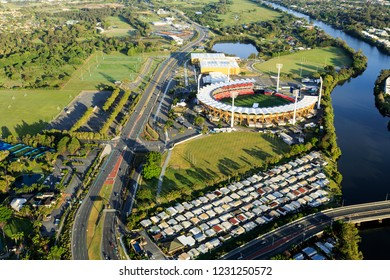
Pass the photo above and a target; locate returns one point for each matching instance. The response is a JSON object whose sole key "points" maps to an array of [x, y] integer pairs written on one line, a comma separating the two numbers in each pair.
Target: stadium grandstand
{"points": [[209, 97]]}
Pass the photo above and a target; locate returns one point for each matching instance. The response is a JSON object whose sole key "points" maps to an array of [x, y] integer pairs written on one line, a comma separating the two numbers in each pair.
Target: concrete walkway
{"points": [[160, 179]]}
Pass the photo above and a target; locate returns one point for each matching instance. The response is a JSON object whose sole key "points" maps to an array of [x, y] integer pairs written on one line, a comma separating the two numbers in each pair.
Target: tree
{"points": [[4, 155], [15, 166], [151, 171], [348, 244], [74, 145], [3, 186], [56, 253], [17, 236], [205, 129], [199, 120], [62, 144], [152, 167], [5, 215]]}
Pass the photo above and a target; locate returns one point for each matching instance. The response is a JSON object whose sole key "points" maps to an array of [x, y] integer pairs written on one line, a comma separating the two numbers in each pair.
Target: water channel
{"points": [[362, 136]]}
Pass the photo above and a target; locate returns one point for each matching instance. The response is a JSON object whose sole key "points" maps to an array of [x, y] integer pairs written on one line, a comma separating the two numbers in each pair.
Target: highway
{"points": [[281, 239], [118, 164]]}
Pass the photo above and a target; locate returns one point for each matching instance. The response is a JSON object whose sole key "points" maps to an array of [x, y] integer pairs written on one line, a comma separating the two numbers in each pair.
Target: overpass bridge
{"points": [[282, 238]]}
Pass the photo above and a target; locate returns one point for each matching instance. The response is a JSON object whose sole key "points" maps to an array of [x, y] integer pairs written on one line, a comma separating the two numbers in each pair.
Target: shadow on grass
{"points": [[226, 166], [5, 132], [183, 180], [257, 153], [25, 128]]}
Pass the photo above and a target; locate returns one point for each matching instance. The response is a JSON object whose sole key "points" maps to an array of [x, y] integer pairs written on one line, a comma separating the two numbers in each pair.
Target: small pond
{"points": [[242, 50]]}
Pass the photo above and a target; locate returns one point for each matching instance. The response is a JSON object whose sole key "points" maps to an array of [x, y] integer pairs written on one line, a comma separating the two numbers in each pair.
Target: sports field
{"points": [[217, 157], [29, 111], [304, 63], [103, 68], [118, 27], [240, 12], [245, 11], [261, 99]]}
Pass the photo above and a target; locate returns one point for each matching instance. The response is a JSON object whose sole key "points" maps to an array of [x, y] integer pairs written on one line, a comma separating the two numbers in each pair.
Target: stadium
{"points": [[210, 97]]}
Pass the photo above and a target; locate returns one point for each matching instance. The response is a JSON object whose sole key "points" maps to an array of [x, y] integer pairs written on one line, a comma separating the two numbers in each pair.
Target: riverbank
{"points": [[348, 29], [382, 100], [362, 132]]}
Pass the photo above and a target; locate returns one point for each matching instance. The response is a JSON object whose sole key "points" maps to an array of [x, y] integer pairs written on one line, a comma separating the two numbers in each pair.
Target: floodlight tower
{"points": [[199, 76], [278, 66], [233, 94], [319, 95], [296, 91]]}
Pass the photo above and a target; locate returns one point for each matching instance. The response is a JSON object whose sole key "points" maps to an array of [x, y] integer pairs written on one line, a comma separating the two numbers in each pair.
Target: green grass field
{"points": [[191, 166], [245, 11], [240, 12], [304, 63], [263, 100], [118, 27], [103, 68], [29, 111]]}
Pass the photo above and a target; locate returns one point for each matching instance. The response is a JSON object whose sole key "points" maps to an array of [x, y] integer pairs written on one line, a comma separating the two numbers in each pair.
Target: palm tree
{"points": [[17, 236]]}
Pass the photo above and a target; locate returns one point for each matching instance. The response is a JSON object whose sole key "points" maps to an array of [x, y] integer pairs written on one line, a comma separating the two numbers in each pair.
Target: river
{"points": [[363, 138]]}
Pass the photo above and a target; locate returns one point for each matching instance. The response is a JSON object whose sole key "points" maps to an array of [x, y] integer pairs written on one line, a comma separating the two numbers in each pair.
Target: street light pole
{"points": [[319, 96], [295, 105], [234, 95], [200, 75], [278, 66]]}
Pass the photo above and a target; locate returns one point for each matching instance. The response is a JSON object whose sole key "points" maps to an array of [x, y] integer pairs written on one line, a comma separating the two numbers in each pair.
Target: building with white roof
{"points": [[186, 224], [155, 219], [145, 223], [186, 240], [188, 215], [17, 203], [172, 211], [249, 226], [193, 253], [210, 232]]}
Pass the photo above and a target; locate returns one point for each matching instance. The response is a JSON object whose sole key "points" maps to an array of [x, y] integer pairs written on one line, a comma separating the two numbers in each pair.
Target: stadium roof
{"points": [[206, 55], [219, 63], [205, 97]]}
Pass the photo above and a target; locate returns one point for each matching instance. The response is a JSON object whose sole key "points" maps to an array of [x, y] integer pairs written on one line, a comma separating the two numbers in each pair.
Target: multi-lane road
{"points": [[283, 238], [116, 167]]}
